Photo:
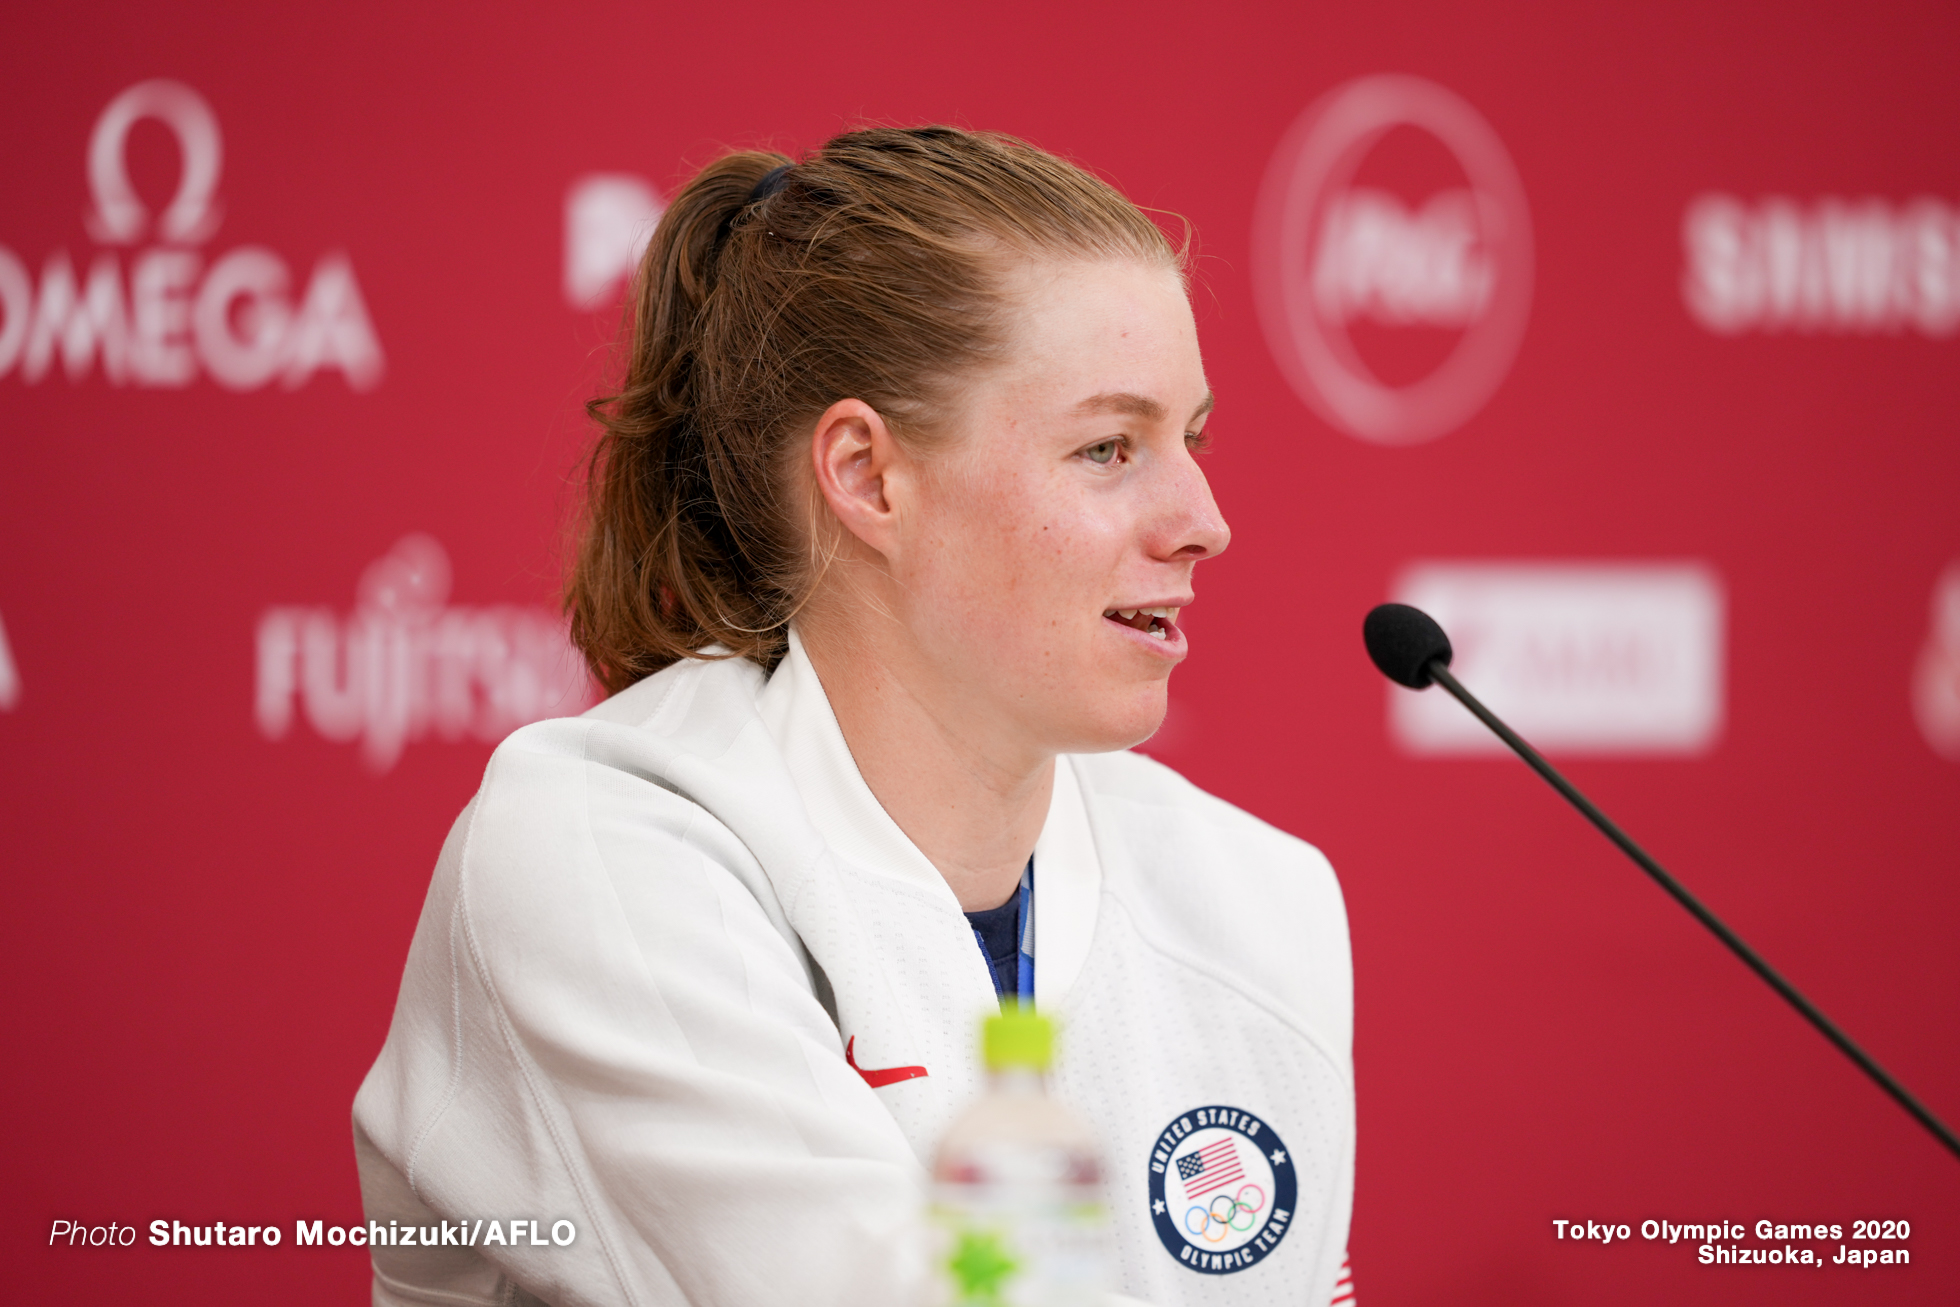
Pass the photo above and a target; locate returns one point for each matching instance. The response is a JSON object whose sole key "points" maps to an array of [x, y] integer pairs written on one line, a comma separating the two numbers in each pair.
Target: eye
{"points": [[1197, 441], [1103, 453]]}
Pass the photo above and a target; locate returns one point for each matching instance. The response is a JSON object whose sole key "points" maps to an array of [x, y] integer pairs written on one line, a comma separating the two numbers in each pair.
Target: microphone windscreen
{"points": [[1402, 641]]}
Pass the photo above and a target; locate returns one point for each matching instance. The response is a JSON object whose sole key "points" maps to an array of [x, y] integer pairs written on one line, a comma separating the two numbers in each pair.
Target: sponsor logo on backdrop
{"points": [[1620, 658], [609, 219], [9, 674], [153, 306], [1840, 266], [408, 665], [1936, 679], [1331, 253]]}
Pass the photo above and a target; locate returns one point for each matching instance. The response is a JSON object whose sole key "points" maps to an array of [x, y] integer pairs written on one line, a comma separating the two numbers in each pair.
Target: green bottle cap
{"points": [[1018, 1038]]}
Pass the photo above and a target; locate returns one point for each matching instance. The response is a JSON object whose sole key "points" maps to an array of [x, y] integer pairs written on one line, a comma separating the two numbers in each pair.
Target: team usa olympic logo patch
{"points": [[1222, 1189]]}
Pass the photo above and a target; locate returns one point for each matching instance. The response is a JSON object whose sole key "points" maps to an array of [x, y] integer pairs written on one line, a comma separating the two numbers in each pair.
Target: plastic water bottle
{"points": [[1018, 1215]]}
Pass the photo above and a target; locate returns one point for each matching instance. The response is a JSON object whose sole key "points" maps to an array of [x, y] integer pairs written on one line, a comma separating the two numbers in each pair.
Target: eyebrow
{"points": [[1131, 405]]}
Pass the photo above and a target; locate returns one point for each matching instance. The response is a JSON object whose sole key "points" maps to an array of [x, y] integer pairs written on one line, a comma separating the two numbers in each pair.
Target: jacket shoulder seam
{"points": [[455, 1078], [539, 1100], [1249, 993]]}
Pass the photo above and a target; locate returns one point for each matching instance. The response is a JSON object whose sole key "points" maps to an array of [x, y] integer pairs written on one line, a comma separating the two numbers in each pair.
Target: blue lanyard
{"points": [[1024, 971]]}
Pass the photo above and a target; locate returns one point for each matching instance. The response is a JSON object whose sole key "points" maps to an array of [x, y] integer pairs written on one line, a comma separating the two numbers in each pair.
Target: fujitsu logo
{"points": [[1334, 254], [179, 313], [406, 664], [1863, 267]]}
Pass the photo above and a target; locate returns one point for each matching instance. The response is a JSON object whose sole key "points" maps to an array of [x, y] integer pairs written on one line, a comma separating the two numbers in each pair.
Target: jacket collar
{"points": [[1068, 874]]}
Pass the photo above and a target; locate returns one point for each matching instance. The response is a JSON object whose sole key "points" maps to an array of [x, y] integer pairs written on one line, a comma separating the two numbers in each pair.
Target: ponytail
{"points": [[769, 291], [661, 573]]}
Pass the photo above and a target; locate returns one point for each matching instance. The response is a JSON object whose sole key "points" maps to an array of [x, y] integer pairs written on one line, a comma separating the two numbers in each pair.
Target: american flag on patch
{"points": [[1212, 1167]]}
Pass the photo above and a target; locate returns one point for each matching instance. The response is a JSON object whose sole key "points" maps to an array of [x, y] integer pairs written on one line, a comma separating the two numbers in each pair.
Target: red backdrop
{"points": [[210, 899]]}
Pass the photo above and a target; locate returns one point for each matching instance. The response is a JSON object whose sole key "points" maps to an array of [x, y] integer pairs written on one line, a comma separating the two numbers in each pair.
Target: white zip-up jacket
{"points": [[682, 984]]}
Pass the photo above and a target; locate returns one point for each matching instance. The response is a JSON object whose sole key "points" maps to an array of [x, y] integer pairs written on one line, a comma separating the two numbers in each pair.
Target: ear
{"points": [[862, 472]]}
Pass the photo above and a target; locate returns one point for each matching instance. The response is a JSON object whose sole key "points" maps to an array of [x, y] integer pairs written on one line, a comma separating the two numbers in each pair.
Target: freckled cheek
{"points": [[1012, 554], [1062, 580], [970, 580]]}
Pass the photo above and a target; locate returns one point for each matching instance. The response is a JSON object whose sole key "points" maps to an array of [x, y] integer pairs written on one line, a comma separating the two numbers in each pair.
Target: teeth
{"points": [[1159, 633], [1129, 615]]}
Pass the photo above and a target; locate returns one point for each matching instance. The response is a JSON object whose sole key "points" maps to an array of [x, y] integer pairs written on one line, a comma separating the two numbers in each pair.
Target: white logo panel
{"points": [[1332, 253], [1577, 657]]}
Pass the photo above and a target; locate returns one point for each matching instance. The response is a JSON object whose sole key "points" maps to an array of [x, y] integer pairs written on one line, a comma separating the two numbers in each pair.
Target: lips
{"points": [[1155, 622]]}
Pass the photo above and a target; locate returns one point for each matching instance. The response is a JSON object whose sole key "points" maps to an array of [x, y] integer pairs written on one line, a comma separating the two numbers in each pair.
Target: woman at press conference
{"points": [[886, 536]]}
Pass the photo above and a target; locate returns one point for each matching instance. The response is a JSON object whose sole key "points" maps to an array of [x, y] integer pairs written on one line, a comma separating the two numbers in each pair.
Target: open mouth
{"points": [[1157, 622]]}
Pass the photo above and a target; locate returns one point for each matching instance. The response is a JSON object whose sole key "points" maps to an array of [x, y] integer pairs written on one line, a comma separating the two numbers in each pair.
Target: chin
{"points": [[1125, 720]]}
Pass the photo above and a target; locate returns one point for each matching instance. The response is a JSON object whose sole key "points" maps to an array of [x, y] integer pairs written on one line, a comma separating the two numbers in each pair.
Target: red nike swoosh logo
{"points": [[879, 1077]]}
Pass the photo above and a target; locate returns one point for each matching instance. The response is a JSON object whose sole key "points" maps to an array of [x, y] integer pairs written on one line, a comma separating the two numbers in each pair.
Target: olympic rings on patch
{"points": [[1237, 1215]]}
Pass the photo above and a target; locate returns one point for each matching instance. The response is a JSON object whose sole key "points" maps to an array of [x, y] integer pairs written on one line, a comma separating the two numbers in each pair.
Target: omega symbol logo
{"points": [[177, 311], [120, 218], [1393, 259]]}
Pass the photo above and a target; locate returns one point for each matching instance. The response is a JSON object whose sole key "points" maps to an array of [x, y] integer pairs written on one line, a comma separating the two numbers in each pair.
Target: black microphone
{"points": [[1411, 649]]}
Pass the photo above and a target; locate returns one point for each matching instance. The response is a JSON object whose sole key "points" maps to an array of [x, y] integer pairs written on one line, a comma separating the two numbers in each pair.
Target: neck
{"points": [[971, 801]]}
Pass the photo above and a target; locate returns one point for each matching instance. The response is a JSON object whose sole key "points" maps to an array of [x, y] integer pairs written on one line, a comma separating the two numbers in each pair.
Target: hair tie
{"points": [[772, 181]]}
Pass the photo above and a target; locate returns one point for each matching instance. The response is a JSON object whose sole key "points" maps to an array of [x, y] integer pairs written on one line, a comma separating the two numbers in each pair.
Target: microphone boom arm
{"points": [[1439, 670]]}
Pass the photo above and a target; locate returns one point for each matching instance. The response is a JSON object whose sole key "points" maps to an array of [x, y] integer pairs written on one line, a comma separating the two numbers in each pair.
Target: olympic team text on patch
{"points": [[1222, 1189]]}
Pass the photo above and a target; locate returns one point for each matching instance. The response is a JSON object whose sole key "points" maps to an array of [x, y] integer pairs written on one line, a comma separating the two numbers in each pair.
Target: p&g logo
{"points": [[1333, 253]]}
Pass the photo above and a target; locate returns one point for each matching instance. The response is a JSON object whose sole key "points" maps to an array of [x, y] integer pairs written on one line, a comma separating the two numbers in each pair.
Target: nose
{"points": [[1188, 526]]}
